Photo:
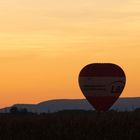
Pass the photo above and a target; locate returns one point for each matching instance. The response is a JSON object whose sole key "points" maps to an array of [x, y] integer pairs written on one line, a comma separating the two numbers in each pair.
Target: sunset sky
{"points": [[45, 43]]}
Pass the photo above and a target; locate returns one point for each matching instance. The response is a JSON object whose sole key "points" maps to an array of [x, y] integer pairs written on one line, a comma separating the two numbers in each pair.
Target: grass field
{"points": [[70, 125]]}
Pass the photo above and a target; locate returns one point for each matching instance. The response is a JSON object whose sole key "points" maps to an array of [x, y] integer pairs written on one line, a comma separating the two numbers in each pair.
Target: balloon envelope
{"points": [[102, 84]]}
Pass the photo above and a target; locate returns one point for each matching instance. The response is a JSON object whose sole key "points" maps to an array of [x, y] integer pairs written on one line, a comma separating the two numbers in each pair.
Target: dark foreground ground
{"points": [[70, 125]]}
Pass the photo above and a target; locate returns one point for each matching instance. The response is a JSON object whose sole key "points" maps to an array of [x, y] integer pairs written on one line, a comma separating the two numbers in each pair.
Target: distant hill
{"points": [[122, 104]]}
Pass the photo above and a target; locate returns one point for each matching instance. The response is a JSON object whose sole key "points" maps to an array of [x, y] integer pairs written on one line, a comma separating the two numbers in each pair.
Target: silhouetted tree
{"points": [[23, 111], [14, 110], [137, 110]]}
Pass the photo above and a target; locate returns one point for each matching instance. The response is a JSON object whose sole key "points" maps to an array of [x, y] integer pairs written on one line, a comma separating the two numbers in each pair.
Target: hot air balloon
{"points": [[102, 84]]}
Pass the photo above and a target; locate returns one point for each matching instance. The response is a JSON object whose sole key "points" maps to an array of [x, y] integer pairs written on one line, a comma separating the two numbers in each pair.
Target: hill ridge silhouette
{"points": [[122, 104]]}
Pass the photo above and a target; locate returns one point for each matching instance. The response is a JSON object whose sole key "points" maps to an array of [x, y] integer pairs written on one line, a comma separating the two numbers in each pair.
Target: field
{"points": [[70, 125]]}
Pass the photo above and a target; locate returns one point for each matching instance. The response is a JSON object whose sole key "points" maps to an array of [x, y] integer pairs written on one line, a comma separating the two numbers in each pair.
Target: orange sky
{"points": [[44, 44]]}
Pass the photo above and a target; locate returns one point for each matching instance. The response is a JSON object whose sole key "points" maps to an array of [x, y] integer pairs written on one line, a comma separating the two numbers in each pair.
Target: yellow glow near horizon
{"points": [[44, 45]]}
